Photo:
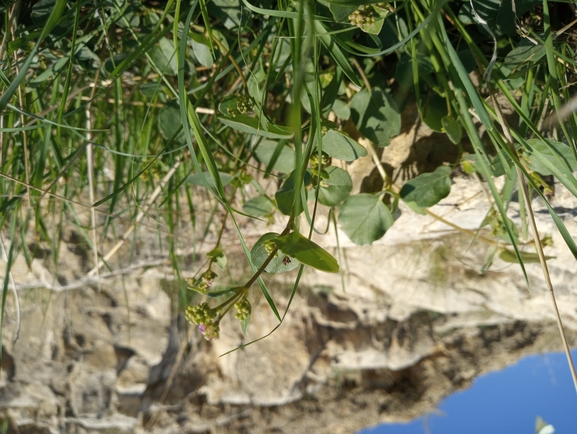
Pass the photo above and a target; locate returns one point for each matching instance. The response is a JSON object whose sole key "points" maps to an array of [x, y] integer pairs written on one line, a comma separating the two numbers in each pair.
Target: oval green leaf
{"points": [[341, 109], [524, 53], [428, 189], [307, 252], [281, 263], [336, 187], [376, 116], [276, 156], [433, 108], [164, 57], [201, 49], [218, 257], [341, 146], [527, 257], [550, 157], [364, 218], [341, 12], [285, 195], [452, 129], [244, 325], [258, 206], [169, 122], [374, 28]]}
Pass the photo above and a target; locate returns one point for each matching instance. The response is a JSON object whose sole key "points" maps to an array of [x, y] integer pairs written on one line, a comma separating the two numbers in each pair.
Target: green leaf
{"points": [[376, 116], [229, 12], [374, 28], [244, 325], [341, 109], [259, 206], [341, 12], [201, 49], [49, 73], [527, 257], [364, 218], [433, 108], [276, 156], [307, 252], [452, 128], [525, 52], [416, 208], [550, 157], [278, 264], [163, 56], [285, 195], [218, 257], [197, 179], [169, 122], [228, 105], [336, 187], [467, 166], [341, 146], [428, 189], [250, 125]]}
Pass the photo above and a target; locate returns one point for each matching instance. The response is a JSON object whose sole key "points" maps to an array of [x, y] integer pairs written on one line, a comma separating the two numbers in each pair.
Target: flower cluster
{"points": [[243, 309], [324, 163], [318, 169], [206, 318], [204, 283], [244, 104], [363, 16]]}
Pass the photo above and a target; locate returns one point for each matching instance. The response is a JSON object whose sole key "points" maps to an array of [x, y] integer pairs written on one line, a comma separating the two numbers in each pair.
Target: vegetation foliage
{"points": [[139, 103]]}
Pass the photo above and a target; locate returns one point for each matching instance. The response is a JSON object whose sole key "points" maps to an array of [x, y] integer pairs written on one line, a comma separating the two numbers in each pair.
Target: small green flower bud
{"points": [[244, 104], [364, 15], [201, 314], [269, 246], [206, 279], [243, 309], [547, 240]]}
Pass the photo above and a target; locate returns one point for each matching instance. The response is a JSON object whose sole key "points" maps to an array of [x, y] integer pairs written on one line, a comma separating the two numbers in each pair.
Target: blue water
{"points": [[506, 401]]}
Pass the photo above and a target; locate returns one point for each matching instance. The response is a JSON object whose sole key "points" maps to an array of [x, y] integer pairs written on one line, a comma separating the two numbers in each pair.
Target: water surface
{"points": [[506, 401]]}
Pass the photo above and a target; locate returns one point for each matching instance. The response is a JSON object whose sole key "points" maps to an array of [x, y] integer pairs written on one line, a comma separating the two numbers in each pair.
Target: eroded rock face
{"points": [[417, 320], [419, 317]]}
